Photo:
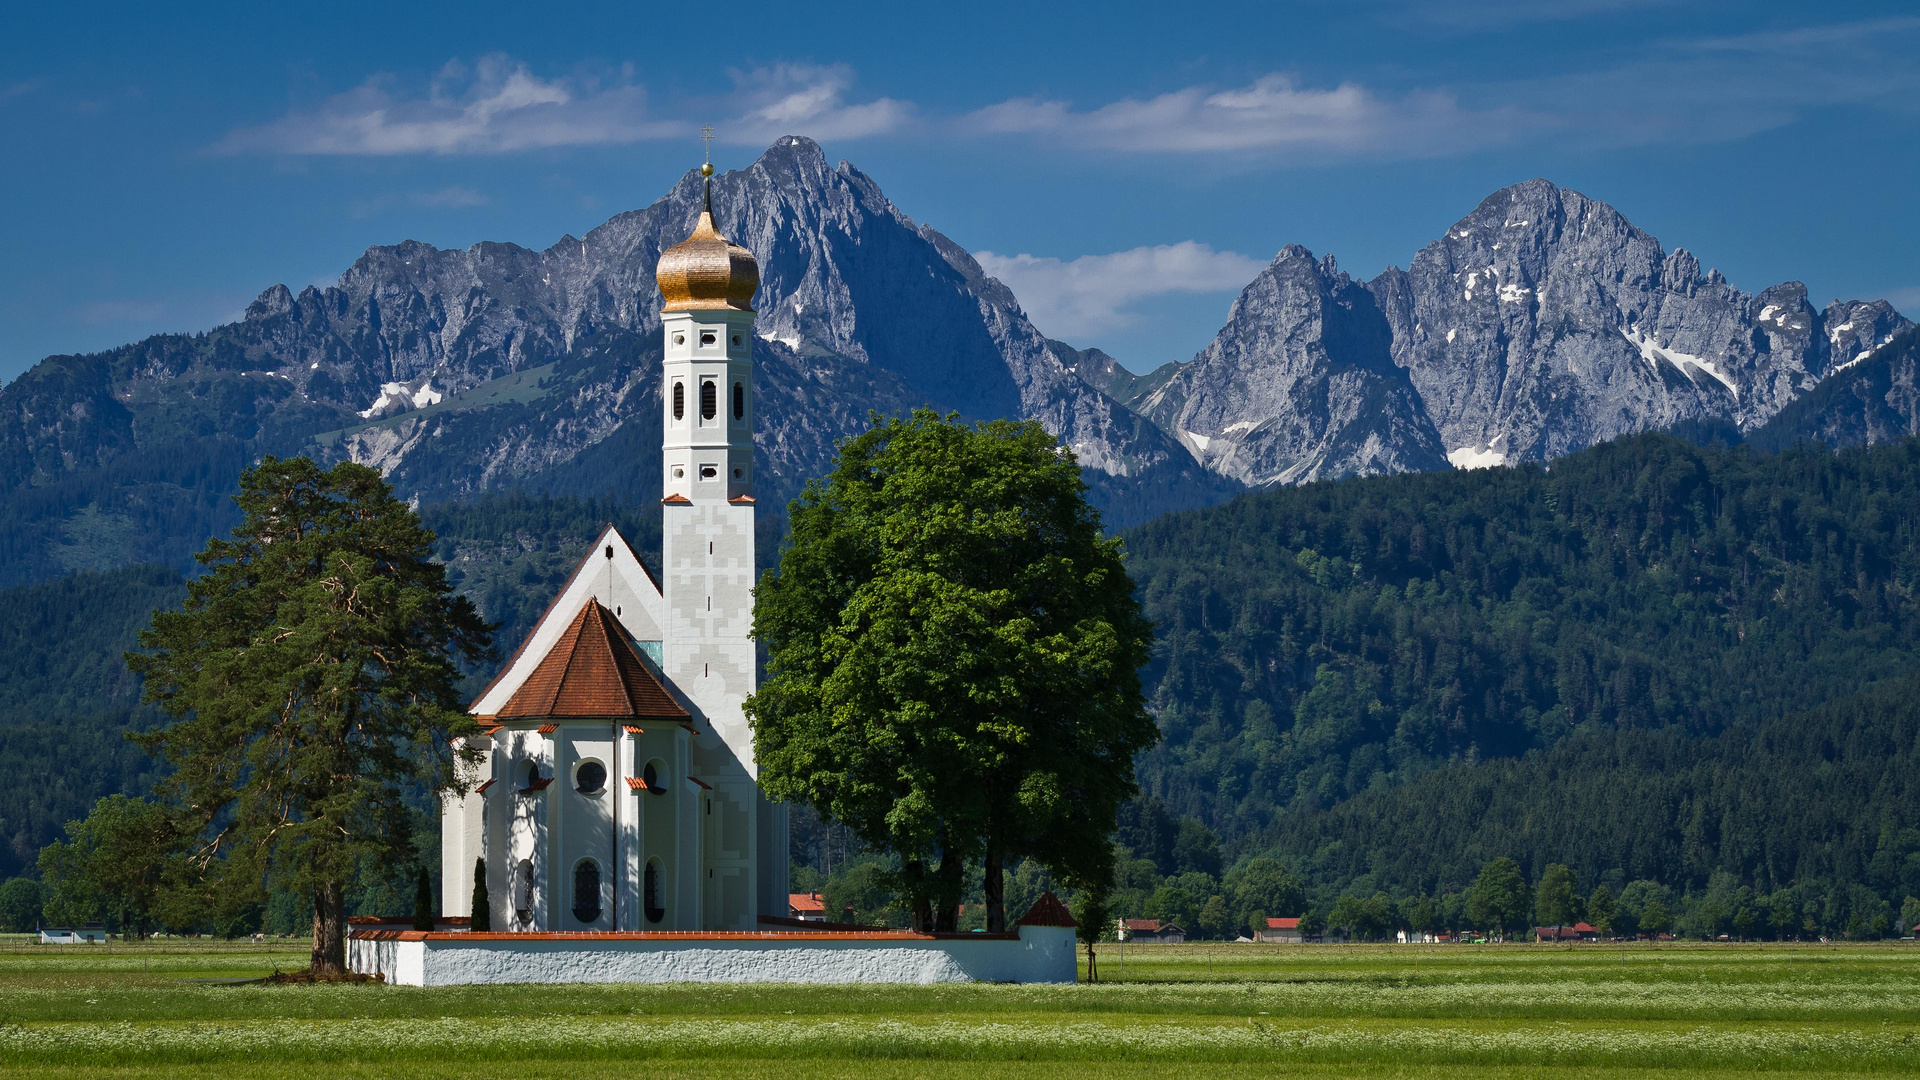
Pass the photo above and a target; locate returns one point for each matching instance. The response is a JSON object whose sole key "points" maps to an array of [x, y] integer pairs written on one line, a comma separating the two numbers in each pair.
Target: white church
{"points": [[617, 810], [618, 789]]}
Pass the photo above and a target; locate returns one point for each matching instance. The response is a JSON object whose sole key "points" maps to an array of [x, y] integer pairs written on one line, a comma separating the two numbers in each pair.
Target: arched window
{"points": [[531, 774], [650, 892], [709, 399], [739, 400], [586, 890], [523, 891], [590, 778], [654, 776], [679, 401]]}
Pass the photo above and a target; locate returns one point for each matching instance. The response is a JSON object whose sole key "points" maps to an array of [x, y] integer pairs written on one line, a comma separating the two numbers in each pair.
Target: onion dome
{"points": [[707, 271]]}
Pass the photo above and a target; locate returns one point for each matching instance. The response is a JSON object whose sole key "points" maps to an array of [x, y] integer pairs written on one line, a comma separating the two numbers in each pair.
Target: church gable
{"points": [[610, 574], [593, 671]]}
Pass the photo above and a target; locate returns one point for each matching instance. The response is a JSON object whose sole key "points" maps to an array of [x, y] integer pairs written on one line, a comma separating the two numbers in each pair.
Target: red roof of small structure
{"points": [[1585, 929], [807, 901], [593, 671], [1047, 911], [1143, 924], [1283, 924]]}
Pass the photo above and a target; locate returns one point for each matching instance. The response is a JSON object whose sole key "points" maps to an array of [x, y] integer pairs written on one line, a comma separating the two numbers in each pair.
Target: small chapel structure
{"points": [[618, 789]]}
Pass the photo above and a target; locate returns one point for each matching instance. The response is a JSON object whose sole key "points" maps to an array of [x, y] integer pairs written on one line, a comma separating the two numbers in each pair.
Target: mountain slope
{"points": [[498, 367], [1320, 641], [1542, 323], [1300, 385]]}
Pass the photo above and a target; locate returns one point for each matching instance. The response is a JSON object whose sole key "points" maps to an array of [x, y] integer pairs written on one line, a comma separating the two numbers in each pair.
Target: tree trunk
{"points": [[1093, 964], [329, 929], [947, 885], [919, 907], [994, 884]]}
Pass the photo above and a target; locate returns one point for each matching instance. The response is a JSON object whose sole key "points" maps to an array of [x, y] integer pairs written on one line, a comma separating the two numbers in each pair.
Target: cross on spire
{"points": [[706, 136]]}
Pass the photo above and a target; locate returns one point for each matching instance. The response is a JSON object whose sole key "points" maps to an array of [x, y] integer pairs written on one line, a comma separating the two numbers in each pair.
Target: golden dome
{"points": [[706, 271]]}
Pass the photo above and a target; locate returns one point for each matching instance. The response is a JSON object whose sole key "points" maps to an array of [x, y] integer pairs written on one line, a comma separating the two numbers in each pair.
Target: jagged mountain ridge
{"points": [[500, 367], [1539, 324]]}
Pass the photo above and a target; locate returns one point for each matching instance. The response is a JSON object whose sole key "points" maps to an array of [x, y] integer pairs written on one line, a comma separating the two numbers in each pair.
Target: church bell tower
{"points": [[707, 552]]}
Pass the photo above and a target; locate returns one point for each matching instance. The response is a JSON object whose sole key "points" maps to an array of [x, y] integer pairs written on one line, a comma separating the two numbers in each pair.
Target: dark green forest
{"points": [[1829, 796], [1324, 641]]}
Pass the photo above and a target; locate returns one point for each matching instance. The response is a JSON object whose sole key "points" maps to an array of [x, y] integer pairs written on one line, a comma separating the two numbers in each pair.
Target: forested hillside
{"points": [[1325, 641], [66, 699], [1828, 798]]}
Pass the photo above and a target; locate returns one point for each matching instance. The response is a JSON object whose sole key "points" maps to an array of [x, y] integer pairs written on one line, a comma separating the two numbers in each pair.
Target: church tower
{"points": [[707, 553]]}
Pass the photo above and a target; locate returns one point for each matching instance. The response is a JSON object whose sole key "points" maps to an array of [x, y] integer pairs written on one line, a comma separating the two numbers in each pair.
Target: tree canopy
{"points": [[311, 676], [953, 649]]}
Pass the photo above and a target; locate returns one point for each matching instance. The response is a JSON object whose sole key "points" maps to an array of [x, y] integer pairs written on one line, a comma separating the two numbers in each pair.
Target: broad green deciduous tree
{"points": [[953, 657], [1555, 901], [116, 863], [311, 678], [1498, 898]]}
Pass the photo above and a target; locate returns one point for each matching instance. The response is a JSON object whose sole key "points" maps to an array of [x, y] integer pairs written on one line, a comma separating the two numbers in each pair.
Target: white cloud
{"points": [[804, 99], [1088, 295], [1271, 114], [451, 198], [500, 106], [497, 106]]}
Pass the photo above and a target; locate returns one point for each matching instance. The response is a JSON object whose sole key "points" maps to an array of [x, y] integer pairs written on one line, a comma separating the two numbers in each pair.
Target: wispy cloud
{"points": [[1089, 295], [451, 198], [495, 106], [804, 99], [499, 105], [19, 89], [1272, 114]]}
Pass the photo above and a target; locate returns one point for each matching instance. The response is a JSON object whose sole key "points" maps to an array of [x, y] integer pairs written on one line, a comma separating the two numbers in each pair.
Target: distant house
{"points": [[93, 933], [807, 907], [1419, 937], [1151, 931], [1577, 932], [1280, 931]]}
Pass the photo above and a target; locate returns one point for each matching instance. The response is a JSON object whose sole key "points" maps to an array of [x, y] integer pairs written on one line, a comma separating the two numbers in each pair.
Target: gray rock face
{"points": [[1300, 385], [1871, 397], [1544, 322], [1541, 323]]}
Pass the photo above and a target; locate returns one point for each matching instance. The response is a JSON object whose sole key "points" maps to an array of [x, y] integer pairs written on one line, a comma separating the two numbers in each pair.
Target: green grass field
{"points": [[1166, 1011]]}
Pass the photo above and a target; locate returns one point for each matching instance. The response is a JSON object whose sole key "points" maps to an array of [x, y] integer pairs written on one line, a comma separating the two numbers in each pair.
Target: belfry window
{"points": [[709, 399], [679, 401], [739, 400], [586, 891], [708, 337]]}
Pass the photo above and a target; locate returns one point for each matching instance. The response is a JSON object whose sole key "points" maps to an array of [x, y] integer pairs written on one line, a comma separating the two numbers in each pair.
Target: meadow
{"points": [[1162, 1011]]}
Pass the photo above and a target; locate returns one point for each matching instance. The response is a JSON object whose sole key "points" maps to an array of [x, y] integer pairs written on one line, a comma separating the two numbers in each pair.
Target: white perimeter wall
{"points": [[1043, 954]]}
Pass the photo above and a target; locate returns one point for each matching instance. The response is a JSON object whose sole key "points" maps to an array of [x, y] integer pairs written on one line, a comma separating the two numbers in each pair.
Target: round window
{"points": [[590, 778]]}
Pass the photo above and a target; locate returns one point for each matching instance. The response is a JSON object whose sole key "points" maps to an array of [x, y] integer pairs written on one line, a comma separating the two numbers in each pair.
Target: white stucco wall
{"points": [[1043, 954]]}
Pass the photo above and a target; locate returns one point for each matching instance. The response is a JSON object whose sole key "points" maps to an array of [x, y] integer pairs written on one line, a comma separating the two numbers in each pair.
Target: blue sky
{"points": [[164, 166]]}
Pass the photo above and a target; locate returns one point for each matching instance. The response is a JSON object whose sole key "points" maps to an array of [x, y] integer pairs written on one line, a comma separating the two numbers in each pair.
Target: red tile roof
{"points": [[1283, 924], [677, 499], [806, 901], [1047, 911], [1151, 925], [594, 672]]}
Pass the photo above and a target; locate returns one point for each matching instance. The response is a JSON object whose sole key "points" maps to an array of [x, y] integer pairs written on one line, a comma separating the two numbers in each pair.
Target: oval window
{"points": [[679, 401], [709, 399], [739, 400], [590, 778], [586, 891], [653, 775]]}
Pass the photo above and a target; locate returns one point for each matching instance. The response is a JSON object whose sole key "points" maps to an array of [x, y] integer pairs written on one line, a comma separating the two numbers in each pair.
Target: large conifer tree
{"points": [[311, 677]]}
